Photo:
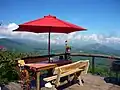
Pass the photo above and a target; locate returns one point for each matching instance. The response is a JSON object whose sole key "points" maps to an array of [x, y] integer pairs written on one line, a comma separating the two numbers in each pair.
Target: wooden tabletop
{"points": [[61, 62], [41, 66], [47, 65]]}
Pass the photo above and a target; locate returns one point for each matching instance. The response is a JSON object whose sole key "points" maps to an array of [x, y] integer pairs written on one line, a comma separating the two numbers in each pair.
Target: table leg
{"points": [[38, 80]]}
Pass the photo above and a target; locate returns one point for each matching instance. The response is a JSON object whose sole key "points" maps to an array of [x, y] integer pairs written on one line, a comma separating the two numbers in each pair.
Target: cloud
{"points": [[56, 38], [113, 39], [12, 26], [93, 37], [7, 31], [98, 38]]}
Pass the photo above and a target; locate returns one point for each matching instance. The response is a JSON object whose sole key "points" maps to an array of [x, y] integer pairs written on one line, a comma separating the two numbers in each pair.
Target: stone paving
{"points": [[94, 83], [91, 82]]}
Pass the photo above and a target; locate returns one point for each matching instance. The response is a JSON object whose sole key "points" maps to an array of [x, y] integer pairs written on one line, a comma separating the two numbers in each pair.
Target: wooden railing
{"points": [[93, 56]]}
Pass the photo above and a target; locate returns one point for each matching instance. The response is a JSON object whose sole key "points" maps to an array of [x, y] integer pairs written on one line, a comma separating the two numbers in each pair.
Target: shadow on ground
{"points": [[42, 83], [68, 85], [112, 80], [4, 88]]}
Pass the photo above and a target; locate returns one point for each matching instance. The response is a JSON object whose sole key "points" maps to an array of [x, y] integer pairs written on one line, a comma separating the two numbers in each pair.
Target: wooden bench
{"points": [[73, 71]]}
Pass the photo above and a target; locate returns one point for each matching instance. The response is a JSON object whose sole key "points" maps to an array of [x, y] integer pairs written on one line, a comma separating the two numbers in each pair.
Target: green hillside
{"points": [[23, 45], [15, 46], [98, 48]]}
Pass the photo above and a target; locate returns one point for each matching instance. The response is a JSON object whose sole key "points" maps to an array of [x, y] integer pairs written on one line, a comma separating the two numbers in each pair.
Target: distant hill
{"points": [[36, 45], [13, 45], [99, 48], [25, 45]]}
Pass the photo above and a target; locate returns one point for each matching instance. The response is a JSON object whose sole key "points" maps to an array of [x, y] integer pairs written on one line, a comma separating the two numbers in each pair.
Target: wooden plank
{"points": [[71, 72], [62, 75], [72, 66], [61, 62], [93, 65], [41, 66], [47, 67], [50, 78], [95, 55], [35, 59], [38, 81]]}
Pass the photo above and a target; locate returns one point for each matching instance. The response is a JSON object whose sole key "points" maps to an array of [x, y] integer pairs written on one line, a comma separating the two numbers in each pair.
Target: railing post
{"points": [[65, 56], [93, 65]]}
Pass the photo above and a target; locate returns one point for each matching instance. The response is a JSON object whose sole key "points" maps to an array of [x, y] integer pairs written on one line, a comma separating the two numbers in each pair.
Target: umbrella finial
{"points": [[50, 16]]}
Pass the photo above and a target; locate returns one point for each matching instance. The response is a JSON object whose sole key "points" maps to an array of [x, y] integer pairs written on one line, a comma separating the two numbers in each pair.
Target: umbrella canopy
{"points": [[49, 24]]}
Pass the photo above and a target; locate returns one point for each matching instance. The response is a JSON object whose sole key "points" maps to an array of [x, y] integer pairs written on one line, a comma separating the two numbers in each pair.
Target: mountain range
{"points": [[25, 45], [22, 45], [99, 48]]}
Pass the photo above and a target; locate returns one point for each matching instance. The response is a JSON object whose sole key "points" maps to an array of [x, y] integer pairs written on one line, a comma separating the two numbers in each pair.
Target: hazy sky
{"points": [[98, 16]]}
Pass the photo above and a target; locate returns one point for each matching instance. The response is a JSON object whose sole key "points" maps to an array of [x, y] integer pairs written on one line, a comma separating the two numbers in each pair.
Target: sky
{"points": [[100, 17]]}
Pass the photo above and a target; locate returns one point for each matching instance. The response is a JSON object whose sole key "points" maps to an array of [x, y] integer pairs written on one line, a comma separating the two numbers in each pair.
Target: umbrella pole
{"points": [[49, 45]]}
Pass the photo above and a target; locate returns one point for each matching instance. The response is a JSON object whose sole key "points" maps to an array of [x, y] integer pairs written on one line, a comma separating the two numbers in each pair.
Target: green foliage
{"points": [[8, 63], [103, 71]]}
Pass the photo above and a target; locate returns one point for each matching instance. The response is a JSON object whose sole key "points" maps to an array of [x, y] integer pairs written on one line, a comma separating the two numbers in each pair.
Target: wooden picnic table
{"points": [[45, 66], [39, 67]]}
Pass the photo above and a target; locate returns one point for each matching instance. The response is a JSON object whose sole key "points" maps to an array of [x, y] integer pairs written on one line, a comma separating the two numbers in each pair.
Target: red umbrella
{"points": [[49, 24]]}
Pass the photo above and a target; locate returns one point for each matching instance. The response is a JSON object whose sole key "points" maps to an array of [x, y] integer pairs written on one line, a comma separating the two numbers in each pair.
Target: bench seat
{"points": [[47, 79]]}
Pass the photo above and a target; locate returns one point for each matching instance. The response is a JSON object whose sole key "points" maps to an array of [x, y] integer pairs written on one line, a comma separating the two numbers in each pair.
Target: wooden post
{"points": [[117, 77], [38, 80], [93, 65], [65, 56]]}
